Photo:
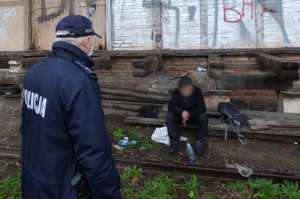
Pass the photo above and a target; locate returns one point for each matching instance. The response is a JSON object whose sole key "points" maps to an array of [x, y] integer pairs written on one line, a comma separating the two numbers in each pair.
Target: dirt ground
{"points": [[260, 155]]}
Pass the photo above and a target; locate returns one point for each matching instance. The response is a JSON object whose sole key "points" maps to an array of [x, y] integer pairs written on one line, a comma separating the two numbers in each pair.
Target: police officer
{"points": [[63, 127]]}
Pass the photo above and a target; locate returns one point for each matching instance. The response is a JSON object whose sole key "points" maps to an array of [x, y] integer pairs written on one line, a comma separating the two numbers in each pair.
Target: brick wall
{"points": [[255, 99], [120, 75]]}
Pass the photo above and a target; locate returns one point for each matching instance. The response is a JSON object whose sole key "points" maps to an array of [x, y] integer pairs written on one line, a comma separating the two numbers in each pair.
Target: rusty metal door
{"points": [[46, 14]]}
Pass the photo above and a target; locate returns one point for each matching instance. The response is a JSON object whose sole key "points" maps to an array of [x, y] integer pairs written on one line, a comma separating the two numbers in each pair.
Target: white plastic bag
{"points": [[161, 135]]}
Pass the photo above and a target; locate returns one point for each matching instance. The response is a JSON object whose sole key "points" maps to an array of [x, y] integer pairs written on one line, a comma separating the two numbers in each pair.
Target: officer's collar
{"points": [[78, 54]]}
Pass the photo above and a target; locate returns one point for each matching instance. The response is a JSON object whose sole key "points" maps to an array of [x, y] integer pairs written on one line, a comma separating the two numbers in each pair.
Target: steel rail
{"points": [[204, 171]]}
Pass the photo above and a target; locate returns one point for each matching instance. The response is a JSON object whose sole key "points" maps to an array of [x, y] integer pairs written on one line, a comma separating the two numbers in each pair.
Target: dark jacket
{"points": [[194, 104], [63, 129]]}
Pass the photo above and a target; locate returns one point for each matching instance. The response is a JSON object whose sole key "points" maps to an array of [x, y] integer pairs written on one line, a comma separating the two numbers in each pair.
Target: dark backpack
{"points": [[148, 111], [231, 114]]}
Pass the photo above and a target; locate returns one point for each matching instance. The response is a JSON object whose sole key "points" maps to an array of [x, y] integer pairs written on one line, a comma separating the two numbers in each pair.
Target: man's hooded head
{"points": [[186, 87]]}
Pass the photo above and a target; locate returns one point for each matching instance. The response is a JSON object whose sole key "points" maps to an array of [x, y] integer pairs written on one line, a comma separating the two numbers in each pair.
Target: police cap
{"points": [[75, 26]]}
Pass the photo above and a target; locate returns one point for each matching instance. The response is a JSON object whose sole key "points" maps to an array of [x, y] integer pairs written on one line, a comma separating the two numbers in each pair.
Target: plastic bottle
{"points": [[125, 142], [190, 153], [133, 142]]}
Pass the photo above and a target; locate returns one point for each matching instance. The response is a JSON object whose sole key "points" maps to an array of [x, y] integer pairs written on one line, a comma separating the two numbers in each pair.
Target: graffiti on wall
{"points": [[241, 9], [246, 5], [238, 12], [5, 15], [90, 10]]}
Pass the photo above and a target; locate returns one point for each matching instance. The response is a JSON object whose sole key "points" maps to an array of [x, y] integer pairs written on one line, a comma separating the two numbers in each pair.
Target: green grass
{"points": [[129, 191], [161, 187], [129, 188], [131, 172], [265, 188], [119, 133], [290, 190], [212, 196], [134, 134], [146, 144], [192, 187], [176, 160], [3, 165], [240, 188], [10, 187]]}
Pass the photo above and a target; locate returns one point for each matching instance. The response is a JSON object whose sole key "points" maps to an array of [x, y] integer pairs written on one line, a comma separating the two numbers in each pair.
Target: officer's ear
{"points": [[86, 43]]}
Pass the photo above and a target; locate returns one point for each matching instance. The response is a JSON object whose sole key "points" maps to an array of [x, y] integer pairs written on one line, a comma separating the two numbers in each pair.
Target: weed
{"points": [[265, 188], [192, 187], [128, 191], [118, 134], [10, 187], [162, 186], [177, 160], [290, 190], [129, 188], [146, 144], [212, 196], [131, 172], [134, 134], [240, 188], [3, 166]]}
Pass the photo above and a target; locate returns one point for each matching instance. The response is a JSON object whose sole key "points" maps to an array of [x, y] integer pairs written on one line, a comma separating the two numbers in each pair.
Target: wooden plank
{"points": [[264, 80], [281, 68], [271, 115], [11, 79], [135, 93], [140, 72], [219, 127], [148, 121], [216, 69], [102, 62], [125, 98], [250, 114], [262, 124], [129, 102]]}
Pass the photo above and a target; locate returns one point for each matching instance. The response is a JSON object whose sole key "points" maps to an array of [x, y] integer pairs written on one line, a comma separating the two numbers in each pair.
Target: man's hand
{"points": [[185, 117]]}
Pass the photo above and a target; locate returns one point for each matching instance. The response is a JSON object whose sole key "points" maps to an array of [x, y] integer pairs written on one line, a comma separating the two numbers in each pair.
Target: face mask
{"points": [[90, 53]]}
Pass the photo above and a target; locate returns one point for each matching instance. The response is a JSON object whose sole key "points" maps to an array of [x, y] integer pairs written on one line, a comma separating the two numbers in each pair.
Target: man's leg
{"points": [[202, 132], [174, 135]]}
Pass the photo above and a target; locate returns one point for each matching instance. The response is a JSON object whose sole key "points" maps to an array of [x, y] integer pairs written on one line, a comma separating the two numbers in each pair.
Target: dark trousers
{"points": [[201, 121]]}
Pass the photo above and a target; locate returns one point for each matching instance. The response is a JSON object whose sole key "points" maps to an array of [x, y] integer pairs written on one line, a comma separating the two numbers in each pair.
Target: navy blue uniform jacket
{"points": [[63, 129]]}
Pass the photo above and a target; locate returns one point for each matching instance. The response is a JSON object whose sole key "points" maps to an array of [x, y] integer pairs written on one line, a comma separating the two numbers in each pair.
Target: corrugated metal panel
{"points": [[47, 13]]}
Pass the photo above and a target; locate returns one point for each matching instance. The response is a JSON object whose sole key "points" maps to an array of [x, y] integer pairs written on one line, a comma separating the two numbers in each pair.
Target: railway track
{"points": [[201, 171]]}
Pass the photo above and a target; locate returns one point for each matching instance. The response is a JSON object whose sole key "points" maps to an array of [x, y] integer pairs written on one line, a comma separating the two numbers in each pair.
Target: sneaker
{"points": [[174, 148], [199, 148]]}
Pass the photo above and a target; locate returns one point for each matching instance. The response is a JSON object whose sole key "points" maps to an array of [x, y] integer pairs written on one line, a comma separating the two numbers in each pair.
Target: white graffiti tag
{"points": [[5, 15]]}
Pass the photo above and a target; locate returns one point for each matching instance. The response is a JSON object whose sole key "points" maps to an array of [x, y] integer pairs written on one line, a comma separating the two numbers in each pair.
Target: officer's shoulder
{"points": [[85, 70], [71, 69]]}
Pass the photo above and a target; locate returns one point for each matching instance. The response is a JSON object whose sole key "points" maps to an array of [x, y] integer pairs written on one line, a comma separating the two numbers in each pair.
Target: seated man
{"points": [[187, 106]]}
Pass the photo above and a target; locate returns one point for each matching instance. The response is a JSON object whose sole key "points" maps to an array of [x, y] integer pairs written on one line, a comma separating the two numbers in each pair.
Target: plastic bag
{"points": [[161, 135]]}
